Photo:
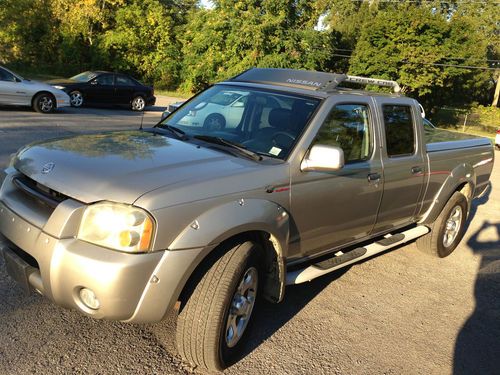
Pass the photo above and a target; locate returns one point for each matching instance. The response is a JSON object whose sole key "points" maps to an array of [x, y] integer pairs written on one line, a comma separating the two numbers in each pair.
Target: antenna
{"points": [[142, 120]]}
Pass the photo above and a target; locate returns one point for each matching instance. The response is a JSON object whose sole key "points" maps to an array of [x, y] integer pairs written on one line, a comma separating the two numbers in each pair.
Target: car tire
{"points": [[215, 121], [44, 103], [447, 230], [218, 309], [138, 104], [76, 99]]}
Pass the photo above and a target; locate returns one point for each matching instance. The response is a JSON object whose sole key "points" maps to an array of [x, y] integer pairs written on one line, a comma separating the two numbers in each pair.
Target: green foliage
{"points": [[143, 40], [412, 45], [237, 35], [177, 43]]}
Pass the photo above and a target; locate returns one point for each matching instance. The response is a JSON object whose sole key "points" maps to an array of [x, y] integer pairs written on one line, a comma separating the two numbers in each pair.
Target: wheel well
{"points": [[271, 257], [466, 190], [43, 92]]}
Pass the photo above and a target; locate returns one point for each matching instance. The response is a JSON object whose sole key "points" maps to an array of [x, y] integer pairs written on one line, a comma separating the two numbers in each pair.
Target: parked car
{"points": [[497, 140], [171, 108], [97, 87], [312, 178], [17, 91]]}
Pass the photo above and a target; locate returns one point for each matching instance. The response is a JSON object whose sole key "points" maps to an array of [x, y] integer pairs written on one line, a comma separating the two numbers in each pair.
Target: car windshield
{"points": [[84, 77], [265, 122]]}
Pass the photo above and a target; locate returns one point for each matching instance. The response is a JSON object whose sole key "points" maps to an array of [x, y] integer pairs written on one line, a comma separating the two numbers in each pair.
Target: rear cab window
{"points": [[399, 130]]}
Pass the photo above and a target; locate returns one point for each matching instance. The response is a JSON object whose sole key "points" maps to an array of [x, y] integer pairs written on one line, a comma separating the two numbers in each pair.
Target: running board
{"points": [[344, 259]]}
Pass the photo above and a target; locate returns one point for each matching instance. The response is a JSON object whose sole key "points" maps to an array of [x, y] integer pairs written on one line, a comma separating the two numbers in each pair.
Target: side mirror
{"points": [[323, 158], [94, 82]]}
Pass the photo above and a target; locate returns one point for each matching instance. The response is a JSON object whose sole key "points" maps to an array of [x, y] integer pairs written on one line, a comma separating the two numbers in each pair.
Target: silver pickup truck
{"points": [[298, 177]]}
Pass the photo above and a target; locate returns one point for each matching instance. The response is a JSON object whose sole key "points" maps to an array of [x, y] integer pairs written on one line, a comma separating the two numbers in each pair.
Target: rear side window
{"points": [[399, 130], [347, 127], [124, 81]]}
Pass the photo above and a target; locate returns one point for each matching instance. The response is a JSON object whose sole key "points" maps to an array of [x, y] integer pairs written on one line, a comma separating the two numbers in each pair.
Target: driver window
{"points": [[347, 127], [106, 80]]}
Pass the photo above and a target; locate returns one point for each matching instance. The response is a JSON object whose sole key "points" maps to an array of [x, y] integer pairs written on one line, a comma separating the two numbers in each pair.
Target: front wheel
{"points": [[138, 104], [44, 103], [213, 321], [448, 229]]}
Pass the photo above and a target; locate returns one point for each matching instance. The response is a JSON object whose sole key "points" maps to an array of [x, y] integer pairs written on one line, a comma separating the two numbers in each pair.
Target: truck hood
{"points": [[123, 166]]}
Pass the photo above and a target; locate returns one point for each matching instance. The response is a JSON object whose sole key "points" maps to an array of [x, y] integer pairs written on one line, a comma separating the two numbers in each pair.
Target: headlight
{"points": [[117, 226], [59, 87]]}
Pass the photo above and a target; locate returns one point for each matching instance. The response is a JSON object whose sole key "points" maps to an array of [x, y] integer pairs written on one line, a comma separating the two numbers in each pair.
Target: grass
{"points": [[175, 94]]}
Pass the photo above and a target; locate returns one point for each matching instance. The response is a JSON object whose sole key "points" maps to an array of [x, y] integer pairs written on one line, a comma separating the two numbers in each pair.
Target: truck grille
{"points": [[39, 192]]}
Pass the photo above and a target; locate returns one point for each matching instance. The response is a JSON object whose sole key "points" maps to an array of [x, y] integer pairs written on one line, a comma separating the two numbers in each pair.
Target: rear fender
{"points": [[463, 174]]}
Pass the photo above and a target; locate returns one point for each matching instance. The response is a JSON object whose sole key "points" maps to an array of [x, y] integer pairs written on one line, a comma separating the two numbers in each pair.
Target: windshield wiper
{"points": [[234, 146], [179, 134]]}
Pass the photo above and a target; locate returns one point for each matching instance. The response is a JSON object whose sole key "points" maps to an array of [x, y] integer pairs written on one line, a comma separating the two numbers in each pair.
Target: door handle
{"points": [[373, 177], [416, 170]]}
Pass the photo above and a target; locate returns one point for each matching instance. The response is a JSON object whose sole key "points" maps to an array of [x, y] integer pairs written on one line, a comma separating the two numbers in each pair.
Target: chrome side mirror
{"points": [[323, 158]]}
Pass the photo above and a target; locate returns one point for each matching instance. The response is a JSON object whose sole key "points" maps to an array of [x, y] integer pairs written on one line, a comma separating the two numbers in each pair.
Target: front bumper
{"points": [[130, 287]]}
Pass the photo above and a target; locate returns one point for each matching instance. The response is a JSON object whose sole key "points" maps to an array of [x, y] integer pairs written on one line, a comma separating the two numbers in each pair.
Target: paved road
{"points": [[399, 313]]}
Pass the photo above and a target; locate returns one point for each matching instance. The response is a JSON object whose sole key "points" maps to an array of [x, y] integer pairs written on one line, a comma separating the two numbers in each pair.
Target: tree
{"points": [[419, 48], [143, 39], [236, 35]]}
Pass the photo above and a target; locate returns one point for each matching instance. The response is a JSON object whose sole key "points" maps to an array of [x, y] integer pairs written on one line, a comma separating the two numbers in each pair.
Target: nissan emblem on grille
{"points": [[47, 168]]}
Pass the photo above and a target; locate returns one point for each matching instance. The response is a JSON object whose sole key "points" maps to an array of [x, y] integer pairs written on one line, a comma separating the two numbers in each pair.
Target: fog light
{"points": [[89, 299]]}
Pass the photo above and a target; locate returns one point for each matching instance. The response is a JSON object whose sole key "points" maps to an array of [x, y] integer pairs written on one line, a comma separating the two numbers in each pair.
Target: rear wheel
{"points": [[214, 121], [216, 316], [44, 103], [138, 104], [448, 229]]}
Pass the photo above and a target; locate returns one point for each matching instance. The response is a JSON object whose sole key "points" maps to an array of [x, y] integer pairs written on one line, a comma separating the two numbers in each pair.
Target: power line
{"points": [[428, 1], [432, 64], [444, 58]]}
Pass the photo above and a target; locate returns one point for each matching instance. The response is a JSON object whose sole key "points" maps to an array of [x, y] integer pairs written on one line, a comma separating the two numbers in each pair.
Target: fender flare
{"points": [[462, 174], [229, 219], [244, 215]]}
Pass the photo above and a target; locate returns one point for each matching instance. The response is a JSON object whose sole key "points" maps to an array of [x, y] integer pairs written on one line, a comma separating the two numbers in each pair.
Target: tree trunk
{"points": [[497, 93]]}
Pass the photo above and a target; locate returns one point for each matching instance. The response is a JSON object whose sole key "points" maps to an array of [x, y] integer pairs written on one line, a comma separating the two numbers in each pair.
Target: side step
{"points": [[344, 259]]}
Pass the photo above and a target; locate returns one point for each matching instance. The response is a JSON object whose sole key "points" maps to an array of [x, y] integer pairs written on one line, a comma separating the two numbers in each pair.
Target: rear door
{"points": [[125, 88], [403, 162], [336, 208]]}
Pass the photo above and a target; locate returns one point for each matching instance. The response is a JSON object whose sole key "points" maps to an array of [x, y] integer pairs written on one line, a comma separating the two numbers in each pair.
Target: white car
{"points": [[224, 110], [17, 91], [497, 140]]}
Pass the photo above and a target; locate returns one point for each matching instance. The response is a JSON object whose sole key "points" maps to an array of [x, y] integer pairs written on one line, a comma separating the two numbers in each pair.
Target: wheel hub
{"points": [[241, 307], [452, 226]]}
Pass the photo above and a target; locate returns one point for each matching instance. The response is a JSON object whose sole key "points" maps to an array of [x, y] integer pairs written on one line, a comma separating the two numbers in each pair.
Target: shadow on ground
{"points": [[477, 349]]}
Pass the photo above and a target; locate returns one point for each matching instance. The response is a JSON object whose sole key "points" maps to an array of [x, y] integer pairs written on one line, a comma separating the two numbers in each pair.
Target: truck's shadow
{"points": [[477, 349]]}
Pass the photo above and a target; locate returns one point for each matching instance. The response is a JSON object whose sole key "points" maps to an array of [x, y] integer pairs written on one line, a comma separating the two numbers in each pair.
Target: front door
{"points": [[12, 92], [336, 208], [101, 90]]}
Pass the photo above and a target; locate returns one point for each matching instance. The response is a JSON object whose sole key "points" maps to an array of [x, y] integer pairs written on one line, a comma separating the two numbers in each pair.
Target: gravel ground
{"points": [[399, 313]]}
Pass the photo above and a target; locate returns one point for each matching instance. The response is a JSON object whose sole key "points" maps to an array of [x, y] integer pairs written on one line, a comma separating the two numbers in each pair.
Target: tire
{"points": [[44, 103], [448, 229], [138, 104], [215, 121], [76, 99], [205, 335]]}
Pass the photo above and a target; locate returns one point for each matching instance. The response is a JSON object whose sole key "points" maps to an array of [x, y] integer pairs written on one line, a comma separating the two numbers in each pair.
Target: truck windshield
{"points": [[265, 122]]}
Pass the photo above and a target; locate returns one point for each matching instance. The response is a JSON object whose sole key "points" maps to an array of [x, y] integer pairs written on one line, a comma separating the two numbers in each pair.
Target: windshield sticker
{"points": [[275, 151]]}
